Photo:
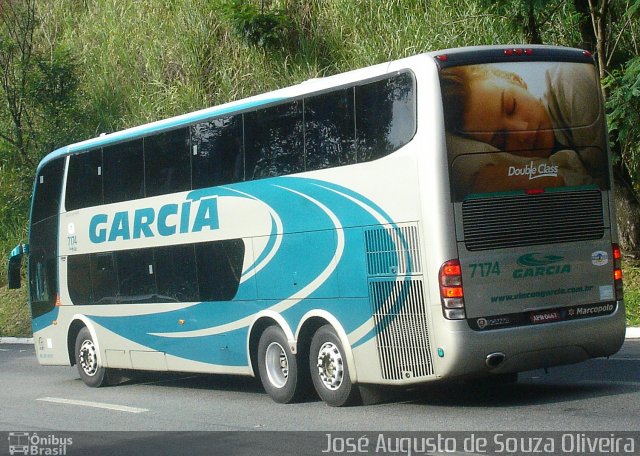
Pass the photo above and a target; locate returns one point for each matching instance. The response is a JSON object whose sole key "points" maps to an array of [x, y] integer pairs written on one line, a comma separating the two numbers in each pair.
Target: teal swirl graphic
{"points": [[319, 262]]}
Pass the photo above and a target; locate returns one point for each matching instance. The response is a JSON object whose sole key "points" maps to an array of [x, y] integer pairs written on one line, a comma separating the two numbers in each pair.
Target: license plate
{"points": [[544, 316]]}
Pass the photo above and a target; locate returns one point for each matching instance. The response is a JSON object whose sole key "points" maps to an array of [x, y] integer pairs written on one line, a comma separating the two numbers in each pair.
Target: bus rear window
{"points": [[514, 126]]}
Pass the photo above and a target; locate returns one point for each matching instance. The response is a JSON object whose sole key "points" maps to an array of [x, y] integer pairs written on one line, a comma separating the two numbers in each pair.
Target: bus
{"points": [[444, 216]]}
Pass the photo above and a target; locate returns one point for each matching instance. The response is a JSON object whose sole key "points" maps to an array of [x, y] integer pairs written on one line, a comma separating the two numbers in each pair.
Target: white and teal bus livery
{"points": [[447, 215]]}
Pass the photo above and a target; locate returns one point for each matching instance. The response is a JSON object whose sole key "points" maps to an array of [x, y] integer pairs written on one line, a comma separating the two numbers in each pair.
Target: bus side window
{"points": [[104, 282], [79, 279], [123, 173], [274, 141], [176, 273], [219, 269], [167, 164], [385, 116], [329, 129], [217, 157], [84, 180], [136, 276]]}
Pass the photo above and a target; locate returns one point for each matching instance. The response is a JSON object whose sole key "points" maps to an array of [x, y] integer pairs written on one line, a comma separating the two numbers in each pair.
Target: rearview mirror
{"points": [[15, 264]]}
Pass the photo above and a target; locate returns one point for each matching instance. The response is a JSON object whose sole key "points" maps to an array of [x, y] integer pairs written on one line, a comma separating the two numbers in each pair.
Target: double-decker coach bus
{"points": [[441, 216]]}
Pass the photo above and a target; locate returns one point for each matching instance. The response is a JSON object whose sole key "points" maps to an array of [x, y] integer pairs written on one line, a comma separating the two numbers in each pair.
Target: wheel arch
{"points": [[263, 321], [77, 323], [315, 319]]}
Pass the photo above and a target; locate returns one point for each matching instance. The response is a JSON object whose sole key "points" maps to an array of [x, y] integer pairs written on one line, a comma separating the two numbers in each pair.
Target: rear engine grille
{"points": [[400, 317], [493, 223]]}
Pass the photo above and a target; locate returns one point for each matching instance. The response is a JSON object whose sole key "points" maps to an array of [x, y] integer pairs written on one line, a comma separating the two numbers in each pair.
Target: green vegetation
{"points": [[631, 279], [70, 70]]}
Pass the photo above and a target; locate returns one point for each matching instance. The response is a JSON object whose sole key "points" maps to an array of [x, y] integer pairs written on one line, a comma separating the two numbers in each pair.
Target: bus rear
{"points": [[538, 276]]}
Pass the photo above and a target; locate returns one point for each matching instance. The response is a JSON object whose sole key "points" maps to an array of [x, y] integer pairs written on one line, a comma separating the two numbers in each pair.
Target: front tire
{"points": [[280, 373], [86, 354], [329, 370]]}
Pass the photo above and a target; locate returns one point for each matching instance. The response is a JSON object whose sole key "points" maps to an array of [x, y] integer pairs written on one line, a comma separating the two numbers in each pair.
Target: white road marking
{"points": [[101, 405]]}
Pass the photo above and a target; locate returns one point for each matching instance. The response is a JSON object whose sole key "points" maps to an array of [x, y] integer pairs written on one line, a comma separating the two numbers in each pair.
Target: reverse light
{"points": [[451, 291], [617, 271]]}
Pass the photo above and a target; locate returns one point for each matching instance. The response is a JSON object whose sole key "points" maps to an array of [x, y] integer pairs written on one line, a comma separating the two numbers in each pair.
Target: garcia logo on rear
{"points": [[536, 265]]}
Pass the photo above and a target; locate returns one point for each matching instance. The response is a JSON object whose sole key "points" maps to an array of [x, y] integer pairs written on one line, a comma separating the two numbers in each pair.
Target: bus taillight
{"points": [[617, 271], [451, 291]]}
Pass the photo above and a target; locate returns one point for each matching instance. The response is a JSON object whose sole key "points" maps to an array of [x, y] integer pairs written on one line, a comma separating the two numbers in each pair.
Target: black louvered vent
{"points": [[493, 223]]}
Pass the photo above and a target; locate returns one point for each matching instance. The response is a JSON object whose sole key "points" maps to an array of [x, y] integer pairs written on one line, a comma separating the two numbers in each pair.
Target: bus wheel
{"points": [[91, 373], [329, 369], [278, 367]]}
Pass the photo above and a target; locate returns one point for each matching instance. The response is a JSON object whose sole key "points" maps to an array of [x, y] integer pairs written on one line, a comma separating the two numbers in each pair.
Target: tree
{"points": [[39, 85], [621, 90], [17, 26]]}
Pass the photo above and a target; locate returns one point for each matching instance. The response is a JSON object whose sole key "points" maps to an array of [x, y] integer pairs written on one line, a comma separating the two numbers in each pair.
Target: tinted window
{"points": [[167, 163], [176, 273], [385, 116], [104, 280], [217, 152], [123, 172], [79, 279], [43, 265], [181, 273], [274, 141], [84, 180], [219, 269], [136, 277], [48, 187], [329, 124]]}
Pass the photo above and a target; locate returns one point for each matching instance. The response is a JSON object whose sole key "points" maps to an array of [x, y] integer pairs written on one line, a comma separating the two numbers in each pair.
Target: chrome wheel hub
{"points": [[330, 366], [88, 358], [276, 364]]}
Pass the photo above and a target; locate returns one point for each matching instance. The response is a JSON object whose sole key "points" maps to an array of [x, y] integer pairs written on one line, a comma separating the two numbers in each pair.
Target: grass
{"points": [[631, 278], [15, 318]]}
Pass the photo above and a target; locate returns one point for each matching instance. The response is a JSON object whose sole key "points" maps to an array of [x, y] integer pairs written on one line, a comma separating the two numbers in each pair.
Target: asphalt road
{"points": [[600, 394]]}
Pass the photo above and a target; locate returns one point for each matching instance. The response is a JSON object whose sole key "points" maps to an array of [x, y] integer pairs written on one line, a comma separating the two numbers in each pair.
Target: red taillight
{"points": [[518, 51], [442, 57], [617, 271], [451, 291]]}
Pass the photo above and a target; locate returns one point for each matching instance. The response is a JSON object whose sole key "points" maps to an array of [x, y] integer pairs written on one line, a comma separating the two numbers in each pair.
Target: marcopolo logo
{"points": [[536, 265], [534, 171], [167, 220]]}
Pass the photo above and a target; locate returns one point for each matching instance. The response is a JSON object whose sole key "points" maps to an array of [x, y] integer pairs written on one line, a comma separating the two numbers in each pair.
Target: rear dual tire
{"points": [[329, 369], [285, 376]]}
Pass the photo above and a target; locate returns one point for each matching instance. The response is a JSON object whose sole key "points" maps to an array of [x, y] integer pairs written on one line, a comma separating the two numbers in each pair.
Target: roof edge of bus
{"points": [[471, 55]]}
